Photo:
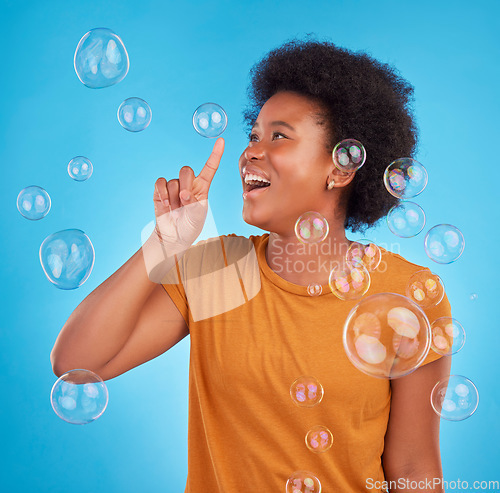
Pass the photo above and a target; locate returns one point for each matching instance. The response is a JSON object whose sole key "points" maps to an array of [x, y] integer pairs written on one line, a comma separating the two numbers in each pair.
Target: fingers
{"points": [[173, 193], [160, 197], [186, 178], [207, 173]]}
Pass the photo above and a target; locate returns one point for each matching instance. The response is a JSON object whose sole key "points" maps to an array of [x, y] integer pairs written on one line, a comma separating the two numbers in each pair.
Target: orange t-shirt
{"points": [[252, 335]]}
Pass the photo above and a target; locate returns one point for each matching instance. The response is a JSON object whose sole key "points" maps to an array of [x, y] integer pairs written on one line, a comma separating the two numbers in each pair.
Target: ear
{"points": [[342, 178]]}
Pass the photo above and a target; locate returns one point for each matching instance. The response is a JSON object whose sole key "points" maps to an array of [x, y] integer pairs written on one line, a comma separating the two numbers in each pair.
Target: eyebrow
{"points": [[276, 123]]}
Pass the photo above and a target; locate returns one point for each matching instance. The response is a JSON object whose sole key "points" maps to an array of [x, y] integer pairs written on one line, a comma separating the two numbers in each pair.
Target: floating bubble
{"points": [[349, 155], [444, 243], [306, 391], [67, 258], [448, 336], [101, 59], [209, 120], [134, 114], [319, 439], [33, 203], [406, 219], [454, 398], [311, 227], [364, 252], [349, 282], [425, 288], [303, 482], [405, 178], [386, 335], [314, 289], [79, 397], [80, 168], [473, 297]]}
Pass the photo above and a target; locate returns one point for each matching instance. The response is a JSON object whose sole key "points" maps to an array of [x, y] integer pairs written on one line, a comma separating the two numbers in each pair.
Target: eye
{"points": [[275, 134], [252, 137]]}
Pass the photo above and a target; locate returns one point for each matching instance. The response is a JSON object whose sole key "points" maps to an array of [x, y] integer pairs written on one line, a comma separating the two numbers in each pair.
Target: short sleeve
{"points": [[174, 288], [442, 309]]}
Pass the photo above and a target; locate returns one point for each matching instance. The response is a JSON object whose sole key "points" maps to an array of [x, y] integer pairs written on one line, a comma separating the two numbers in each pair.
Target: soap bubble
{"points": [[79, 397], [473, 297], [405, 178], [33, 202], [364, 252], [454, 398], [425, 288], [448, 336], [67, 258], [319, 439], [386, 335], [303, 482], [349, 155], [80, 168], [406, 219], [349, 282], [314, 289], [209, 120], [444, 243], [134, 114], [306, 391], [311, 227], [101, 59]]}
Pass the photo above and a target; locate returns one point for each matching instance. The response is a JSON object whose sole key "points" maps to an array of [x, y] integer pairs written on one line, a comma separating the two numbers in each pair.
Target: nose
{"points": [[255, 150]]}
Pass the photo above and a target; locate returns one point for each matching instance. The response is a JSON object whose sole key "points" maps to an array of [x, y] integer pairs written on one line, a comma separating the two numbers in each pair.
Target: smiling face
{"points": [[288, 147]]}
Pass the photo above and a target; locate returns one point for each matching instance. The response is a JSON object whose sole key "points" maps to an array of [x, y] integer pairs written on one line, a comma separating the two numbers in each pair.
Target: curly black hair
{"points": [[361, 98]]}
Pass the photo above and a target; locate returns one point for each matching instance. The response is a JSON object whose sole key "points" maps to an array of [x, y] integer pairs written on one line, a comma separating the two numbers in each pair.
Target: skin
{"points": [[289, 146]]}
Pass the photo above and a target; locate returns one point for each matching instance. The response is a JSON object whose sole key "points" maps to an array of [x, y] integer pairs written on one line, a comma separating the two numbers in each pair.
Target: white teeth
{"points": [[251, 177]]}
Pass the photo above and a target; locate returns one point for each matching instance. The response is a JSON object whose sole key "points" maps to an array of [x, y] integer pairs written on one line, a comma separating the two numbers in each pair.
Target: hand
{"points": [[181, 204]]}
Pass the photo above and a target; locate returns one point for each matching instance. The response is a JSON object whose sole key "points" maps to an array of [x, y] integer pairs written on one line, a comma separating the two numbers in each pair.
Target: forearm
{"points": [[102, 323]]}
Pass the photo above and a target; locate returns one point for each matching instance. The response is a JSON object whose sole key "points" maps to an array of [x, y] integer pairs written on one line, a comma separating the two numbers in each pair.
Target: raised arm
{"points": [[129, 318]]}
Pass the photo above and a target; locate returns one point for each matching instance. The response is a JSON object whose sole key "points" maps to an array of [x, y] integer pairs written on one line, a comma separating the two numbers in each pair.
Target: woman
{"points": [[245, 303]]}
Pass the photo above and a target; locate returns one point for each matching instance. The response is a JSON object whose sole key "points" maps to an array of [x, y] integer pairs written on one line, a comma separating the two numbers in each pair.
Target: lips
{"points": [[249, 168]]}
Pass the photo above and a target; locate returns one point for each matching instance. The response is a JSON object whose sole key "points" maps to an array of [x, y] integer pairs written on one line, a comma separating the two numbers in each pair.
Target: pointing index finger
{"points": [[208, 171]]}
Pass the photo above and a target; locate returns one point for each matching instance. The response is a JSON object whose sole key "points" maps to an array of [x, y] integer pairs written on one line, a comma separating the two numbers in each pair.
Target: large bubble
{"points": [[33, 202], [67, 258], [349, 155], [79, 397], [444, 243], [405, 178], [209, 120], [303, 482], [454, 398], [406, 219], [134, 114], [80, 168], [101, 59], [386, 335]]}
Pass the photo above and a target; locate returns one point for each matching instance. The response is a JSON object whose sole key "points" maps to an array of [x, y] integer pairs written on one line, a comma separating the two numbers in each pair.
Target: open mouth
{"points": [[253, 185]]}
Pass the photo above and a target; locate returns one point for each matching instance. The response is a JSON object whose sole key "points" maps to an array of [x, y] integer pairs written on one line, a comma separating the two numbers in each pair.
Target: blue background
{"points": [[183, 54]]}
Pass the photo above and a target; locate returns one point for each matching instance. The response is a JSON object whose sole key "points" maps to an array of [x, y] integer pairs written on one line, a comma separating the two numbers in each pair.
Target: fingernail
{"points": [[187, 195], [166, 202]]}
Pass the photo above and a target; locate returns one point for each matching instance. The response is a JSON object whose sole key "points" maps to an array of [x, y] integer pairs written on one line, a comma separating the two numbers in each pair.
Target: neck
{"points": [[304, 264]]}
